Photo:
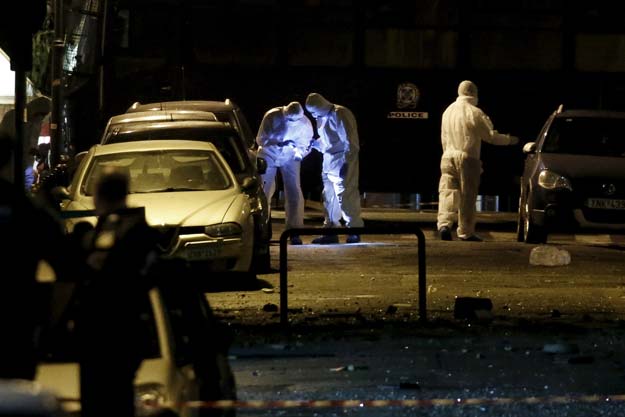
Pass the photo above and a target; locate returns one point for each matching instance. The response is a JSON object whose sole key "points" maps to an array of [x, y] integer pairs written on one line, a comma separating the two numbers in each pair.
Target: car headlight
{"points": [[224, 230], [553, 181], [150, 399]]}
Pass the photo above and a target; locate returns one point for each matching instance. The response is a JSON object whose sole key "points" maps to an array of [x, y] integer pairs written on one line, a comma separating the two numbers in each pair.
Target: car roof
{"points": [[182, 124], [197, 105], [591, 113], [114, 131], [159, 115], [151, 145]]}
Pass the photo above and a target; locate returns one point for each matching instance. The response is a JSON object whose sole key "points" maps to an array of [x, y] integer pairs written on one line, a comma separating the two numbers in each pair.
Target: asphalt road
{"points": [[551, 345]]}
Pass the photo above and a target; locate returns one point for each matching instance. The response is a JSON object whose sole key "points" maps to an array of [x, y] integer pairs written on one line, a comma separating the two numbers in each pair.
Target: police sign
{"points": [[407, 115]]}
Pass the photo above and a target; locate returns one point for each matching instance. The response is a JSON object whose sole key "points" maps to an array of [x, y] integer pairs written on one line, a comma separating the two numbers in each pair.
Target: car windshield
{"points": [[226, 141], [158, 171], [586, 136]]}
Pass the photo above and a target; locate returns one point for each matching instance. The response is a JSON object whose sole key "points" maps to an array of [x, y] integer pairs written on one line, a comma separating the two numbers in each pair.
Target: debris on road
{"points": [[548, 255], [270, 307], [473, 308]]}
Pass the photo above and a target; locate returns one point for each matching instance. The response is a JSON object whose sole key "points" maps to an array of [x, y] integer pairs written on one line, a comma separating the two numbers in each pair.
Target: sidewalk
{"points": [[314, 214]]}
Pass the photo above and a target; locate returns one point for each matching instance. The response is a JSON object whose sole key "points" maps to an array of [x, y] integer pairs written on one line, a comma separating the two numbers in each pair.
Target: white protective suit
{"points": [[284, 140], [338, 142], [463, 128]]}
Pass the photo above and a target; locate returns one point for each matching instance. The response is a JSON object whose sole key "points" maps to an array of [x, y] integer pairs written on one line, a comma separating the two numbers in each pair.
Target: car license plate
{"points": [[605, 203], [201, 253]]}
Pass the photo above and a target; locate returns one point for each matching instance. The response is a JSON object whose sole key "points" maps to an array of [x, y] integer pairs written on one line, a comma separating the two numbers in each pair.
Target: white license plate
{"points": [[605, 203], [201, 253]]}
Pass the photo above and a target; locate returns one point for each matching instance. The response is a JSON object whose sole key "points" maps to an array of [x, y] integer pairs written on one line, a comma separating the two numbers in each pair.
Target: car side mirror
{"points": [[529, 147], [261, 165], [249, 183]]}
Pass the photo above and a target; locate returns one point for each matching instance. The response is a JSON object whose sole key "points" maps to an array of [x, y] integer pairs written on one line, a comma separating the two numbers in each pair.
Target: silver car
{"points": [[189, 193], [220, 123]]}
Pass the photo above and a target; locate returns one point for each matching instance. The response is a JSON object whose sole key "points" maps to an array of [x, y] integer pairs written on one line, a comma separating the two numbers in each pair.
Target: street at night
{"points": [[318, 208], [354, 332]]}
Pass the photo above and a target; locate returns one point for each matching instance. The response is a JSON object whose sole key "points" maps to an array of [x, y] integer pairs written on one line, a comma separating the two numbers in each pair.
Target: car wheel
{"points": [[261, 260], [532, 232], [520, 226]]}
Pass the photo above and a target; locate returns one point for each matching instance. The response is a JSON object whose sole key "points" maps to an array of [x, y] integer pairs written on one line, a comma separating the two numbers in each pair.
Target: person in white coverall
{"points": [[284, 139], [338, 142], [464, 126]]}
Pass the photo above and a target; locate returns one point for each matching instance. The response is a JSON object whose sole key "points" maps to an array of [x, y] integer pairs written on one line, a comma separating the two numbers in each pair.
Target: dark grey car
{"points": [[574, 175]]}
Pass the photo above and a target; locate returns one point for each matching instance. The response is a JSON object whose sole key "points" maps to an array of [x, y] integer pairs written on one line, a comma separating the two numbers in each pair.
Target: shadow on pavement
{"points": [[230, 281]]}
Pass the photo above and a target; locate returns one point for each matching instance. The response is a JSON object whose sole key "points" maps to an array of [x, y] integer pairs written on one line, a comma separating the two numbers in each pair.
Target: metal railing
{"points": [[378, 230]]}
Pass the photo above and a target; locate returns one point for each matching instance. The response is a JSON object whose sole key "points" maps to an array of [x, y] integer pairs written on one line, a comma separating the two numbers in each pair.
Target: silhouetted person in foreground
{"points": [[118, 254], [30, 233]]}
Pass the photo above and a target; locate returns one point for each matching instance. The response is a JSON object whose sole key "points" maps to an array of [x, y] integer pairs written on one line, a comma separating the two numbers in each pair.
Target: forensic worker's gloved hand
{"points": [[513, 140], [314, 144]]}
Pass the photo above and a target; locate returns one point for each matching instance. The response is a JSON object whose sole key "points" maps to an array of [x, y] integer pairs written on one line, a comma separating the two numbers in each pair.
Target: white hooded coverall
{"points": [[284, 137], [463, 128], [339, 144]]}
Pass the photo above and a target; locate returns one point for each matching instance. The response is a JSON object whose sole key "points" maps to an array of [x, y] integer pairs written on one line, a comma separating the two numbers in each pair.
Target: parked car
{"points": [[574, 175], [189, 193], [225, 111], [178, 323], [201, 125], [152, 117]]}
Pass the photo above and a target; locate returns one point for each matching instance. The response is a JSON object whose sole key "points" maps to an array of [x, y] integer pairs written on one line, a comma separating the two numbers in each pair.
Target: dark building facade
{"points": [[395, 63]]}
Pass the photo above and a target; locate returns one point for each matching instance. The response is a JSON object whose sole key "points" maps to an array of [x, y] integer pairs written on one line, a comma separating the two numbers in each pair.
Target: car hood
{"points": [[576, 166], [184, 207]]}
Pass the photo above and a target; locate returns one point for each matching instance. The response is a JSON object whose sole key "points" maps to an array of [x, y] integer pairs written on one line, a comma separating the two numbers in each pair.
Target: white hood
{"points": [[179, 207]]}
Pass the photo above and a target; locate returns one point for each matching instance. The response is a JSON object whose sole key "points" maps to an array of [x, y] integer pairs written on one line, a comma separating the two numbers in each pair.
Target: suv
{"points": [[165, 121], [574, 175]]}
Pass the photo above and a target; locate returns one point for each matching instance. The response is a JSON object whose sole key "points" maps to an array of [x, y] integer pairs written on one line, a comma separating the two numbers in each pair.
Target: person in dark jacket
{"points": [[118, 254], [31, 233]]}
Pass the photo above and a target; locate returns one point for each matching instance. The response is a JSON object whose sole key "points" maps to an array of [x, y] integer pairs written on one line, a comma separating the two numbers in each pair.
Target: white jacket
{"points": [[464, 127], [276, 131]]}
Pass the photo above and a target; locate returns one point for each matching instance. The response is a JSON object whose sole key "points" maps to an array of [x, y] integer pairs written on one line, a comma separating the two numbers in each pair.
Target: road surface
{"points": [[354, 331]]}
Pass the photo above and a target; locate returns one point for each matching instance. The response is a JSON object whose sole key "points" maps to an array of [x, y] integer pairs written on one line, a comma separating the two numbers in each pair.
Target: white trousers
{"points": [[293, 196], [341, 196], [457, 192]]}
